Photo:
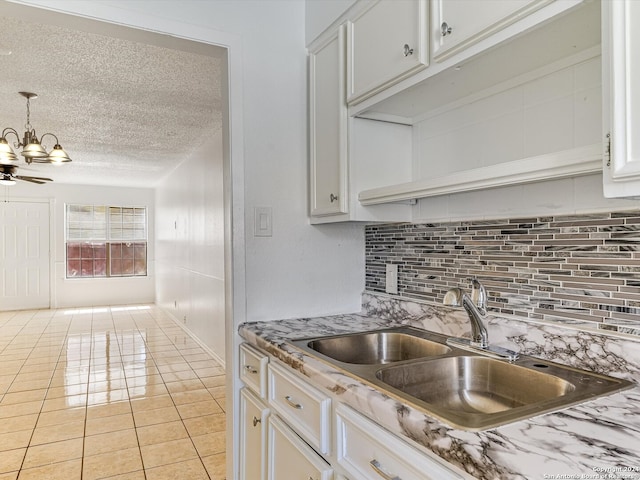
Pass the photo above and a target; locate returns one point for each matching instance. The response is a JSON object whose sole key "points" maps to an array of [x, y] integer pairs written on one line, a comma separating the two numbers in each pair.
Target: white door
{"points": [[24, 255]]}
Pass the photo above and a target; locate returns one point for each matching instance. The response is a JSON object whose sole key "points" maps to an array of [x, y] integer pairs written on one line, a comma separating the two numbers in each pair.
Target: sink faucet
{"points": [[476, 307]]}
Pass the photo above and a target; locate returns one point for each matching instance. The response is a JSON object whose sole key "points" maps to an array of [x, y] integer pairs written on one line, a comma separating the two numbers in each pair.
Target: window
{"points": [[106, 241]]}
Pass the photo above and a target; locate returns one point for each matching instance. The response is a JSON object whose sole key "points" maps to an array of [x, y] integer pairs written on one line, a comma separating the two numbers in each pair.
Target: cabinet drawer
{"points": [[304, 407], [369, 452], [253, 369]]}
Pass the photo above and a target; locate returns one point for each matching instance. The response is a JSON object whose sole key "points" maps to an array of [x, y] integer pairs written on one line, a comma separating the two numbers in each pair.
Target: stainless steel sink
{"points": [[378, 347], [473, 392], [468, 391], [470, 385]]}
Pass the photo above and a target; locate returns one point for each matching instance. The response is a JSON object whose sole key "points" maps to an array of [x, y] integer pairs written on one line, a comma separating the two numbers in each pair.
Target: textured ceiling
{"points": [[126, 111]]}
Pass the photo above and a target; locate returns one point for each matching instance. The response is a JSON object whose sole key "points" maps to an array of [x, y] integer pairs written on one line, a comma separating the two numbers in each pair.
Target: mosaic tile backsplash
{"points": [[579, 269]]}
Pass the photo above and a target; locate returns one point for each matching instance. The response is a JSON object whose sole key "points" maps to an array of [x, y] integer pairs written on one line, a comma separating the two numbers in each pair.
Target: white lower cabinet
{"points": [[291, 458], [367, 452], [253, 430], [303, 432]]}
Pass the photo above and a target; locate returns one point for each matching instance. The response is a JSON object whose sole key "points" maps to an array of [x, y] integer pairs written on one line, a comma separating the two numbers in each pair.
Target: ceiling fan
{"points": [[8, 176]]}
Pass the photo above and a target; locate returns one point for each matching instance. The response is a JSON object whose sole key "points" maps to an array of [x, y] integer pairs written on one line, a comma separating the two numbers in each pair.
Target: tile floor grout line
{"points": [[34, 339], [33, 431], [181, 419], [135, 429]]}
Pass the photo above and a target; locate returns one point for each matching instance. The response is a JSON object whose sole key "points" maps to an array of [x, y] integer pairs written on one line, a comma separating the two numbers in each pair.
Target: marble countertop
{"points": [[599, 439]]}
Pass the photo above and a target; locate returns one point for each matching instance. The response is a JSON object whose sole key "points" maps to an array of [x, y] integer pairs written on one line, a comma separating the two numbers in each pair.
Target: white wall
{"points": [[548, 113], [75, 292], [190, 244]]}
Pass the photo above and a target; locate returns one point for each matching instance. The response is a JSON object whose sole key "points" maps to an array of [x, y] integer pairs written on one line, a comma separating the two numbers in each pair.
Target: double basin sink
{"points": [[469, 391]]}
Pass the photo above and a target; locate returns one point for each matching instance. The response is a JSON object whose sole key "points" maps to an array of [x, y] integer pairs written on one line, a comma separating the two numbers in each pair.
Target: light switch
{"points": [[262, 222]]}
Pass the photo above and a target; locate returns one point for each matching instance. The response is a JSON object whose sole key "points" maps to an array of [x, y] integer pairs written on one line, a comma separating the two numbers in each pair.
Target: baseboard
{"points": [[194, 337]]}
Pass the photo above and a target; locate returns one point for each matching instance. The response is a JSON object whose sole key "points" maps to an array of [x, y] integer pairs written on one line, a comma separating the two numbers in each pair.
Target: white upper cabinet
{"points": [[513, 96], [386, 43], [621, 97], [328, 127], [458, 24], [336, 175]]}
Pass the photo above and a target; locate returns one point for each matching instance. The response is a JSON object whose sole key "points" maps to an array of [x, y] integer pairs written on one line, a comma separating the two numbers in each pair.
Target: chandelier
{"points": [[32, 150]]}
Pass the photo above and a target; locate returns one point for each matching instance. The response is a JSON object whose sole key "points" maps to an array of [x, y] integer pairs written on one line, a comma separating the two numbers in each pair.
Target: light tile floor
{"points": [[111, 392]]}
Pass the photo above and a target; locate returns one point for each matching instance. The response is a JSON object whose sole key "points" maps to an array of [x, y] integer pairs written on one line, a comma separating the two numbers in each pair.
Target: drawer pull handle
{"points": [[407, 50], [297, 406], [250, 369], [378, 469], [256, 421]]}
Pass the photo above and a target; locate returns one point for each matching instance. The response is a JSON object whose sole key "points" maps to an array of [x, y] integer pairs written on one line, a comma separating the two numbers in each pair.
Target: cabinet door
{"points": [[328, 127], [621, 97], [290, 457], [386, 43], [458, 24], [253, 438]]}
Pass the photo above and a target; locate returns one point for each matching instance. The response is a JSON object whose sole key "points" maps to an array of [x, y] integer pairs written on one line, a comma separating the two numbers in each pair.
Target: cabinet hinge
{"points": [[608, 151]]}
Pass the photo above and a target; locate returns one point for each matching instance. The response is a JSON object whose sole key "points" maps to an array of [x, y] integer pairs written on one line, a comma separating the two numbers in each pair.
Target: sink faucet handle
{"points": [[453, 297], [479, 295]]}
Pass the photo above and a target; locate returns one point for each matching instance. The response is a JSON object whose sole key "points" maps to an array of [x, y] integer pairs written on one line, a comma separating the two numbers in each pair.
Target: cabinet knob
{"points": [[250, 369], [445, 29], [407, 50], [256, 421], [333, 198]]}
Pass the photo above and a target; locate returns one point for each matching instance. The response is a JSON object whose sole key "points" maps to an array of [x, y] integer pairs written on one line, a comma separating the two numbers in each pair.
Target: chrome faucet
{"points": [[476, 308]]}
